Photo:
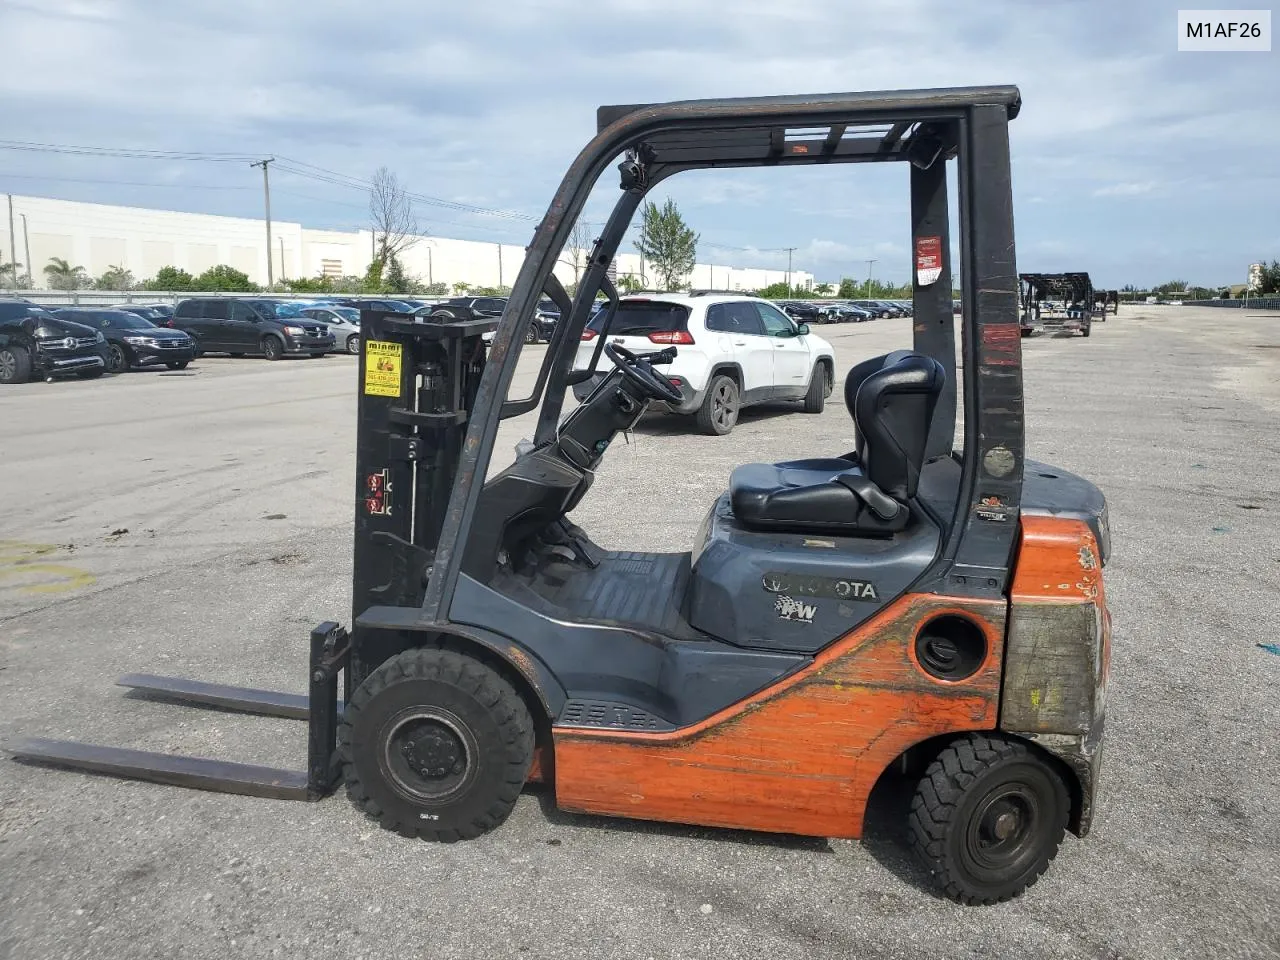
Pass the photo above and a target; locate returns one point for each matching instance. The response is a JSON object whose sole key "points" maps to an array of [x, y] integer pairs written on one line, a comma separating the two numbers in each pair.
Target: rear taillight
{"points": [[588, 334], [672, 336]]}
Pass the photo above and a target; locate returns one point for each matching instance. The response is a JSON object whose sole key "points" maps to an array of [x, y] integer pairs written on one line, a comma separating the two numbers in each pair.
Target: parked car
{"points": [[878, 310], [801, 311], [148, 312], [366, 303], [36, 344], [132, 340], [240, 327], [343, 323], [469, 308], [732, 351]]}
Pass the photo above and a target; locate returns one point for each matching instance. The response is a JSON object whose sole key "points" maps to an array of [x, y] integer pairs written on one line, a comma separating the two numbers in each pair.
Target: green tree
{"points": [[9, 275], [115, 278], [629, 283], [373, 277], [394, 280], [824, 290], [667, 243], [170, 278], [437, 289], [1173, 286], [780, 291], [63, 276], [460, 289], [848, 288], [1270, 279], [320, 284], [225, 279]]}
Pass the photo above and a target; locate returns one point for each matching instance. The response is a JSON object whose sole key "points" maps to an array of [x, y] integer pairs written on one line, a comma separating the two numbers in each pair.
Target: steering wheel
{"points": [[640, 372]]}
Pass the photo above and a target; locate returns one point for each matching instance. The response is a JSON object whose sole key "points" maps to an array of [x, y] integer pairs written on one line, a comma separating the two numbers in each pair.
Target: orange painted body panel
{"points": [[801, 756], [1058, 562]]}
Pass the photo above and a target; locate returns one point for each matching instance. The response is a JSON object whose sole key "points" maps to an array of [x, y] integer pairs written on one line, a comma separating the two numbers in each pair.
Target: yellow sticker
{"points": [[382, 368]]}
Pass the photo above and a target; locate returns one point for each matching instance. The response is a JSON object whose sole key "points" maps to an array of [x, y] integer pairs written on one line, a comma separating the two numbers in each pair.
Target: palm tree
{"points": [[63, 276]]}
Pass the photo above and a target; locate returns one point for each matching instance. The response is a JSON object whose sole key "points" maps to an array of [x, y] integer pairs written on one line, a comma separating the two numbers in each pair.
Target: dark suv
{"points": [[133, 340], [35, 343], [267, 328]]}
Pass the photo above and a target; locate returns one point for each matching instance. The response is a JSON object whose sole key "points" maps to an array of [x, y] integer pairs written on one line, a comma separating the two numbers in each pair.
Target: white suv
{"points": [[731, 352]]}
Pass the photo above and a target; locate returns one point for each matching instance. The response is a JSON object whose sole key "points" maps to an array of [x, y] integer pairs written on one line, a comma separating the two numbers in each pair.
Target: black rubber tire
{"points": [[531, 334], [15, 365], [353, 343], [720, 407], [956, 797], [815, 401], [117, 359], [177, 364], [443, 316], [272, 348], [496, 731], [1086, 329]]}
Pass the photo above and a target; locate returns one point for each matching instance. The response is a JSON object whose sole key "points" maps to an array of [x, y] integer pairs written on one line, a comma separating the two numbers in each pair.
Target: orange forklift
{"points": [[910, 605]]}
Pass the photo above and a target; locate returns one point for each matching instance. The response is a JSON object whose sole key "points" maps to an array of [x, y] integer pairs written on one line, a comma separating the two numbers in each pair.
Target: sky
{"points": [[1131, 160]]}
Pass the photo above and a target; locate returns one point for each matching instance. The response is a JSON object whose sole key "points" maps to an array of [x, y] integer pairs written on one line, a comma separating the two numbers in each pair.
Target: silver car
{"points": [[343, 323]]}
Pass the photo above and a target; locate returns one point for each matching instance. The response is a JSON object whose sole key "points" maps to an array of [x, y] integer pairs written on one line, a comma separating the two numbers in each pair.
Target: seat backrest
{"points": [[892, 400]]}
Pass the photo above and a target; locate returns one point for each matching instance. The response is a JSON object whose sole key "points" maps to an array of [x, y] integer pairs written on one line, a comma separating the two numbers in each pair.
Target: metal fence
{"points": [[107, 298], [1253, 303]]}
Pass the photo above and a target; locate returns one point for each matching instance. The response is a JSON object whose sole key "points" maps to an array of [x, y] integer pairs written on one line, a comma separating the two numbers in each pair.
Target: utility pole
{"points": [[283, 275], [26, 244], [266, 196], [869, 263], [499, 266], [430, 280], [790, 250], [13, 244]]}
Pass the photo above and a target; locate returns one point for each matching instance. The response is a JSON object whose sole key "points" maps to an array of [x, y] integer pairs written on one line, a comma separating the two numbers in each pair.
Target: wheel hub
{"points": [[427, 755], [434, 753]]}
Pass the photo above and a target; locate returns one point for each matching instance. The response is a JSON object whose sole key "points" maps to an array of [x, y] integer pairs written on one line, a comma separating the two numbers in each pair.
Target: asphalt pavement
{"points": [[198, 523]]}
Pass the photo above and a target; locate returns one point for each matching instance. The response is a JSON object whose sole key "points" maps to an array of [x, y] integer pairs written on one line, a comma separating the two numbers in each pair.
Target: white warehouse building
{"points": [[99, 236]]}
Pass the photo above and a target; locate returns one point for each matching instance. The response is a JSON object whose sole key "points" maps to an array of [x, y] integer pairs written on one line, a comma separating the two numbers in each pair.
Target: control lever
{"points": [[660, 356]]}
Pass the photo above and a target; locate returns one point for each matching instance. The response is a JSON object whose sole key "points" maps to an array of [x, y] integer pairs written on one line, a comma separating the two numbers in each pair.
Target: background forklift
{"points": [[904, 605]]}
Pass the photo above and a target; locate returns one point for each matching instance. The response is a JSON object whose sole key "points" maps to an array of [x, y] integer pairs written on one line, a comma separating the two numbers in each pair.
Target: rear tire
{"points": [[353, 343], [819, 389], [987, 818], [177, 364], [720, 407], [15, 365], [1086, 328], [272, 348], [437, 745]]}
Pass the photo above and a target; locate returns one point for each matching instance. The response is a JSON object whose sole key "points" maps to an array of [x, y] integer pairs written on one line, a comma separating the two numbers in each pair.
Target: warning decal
{"points": [[382, 368], [928, 260]]}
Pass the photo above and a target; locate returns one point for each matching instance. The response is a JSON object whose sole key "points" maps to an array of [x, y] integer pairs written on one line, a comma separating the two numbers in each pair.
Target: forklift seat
{"points": [[891, 399]]}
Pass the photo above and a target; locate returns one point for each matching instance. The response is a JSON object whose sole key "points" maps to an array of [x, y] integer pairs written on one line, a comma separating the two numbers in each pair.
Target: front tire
{"points": [[1086, 328], [353, 343], [987, 818], [437, 745], [117, 359], [15, 365], [719, 411], [815, 400], [177, 364], [272, 348]]}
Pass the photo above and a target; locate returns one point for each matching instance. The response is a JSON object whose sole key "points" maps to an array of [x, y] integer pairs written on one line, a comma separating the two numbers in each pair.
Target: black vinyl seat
{"points": [[891, 399]]}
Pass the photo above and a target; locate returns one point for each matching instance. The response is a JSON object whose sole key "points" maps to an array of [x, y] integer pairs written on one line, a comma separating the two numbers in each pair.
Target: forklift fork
{"points": [[330, 656]]}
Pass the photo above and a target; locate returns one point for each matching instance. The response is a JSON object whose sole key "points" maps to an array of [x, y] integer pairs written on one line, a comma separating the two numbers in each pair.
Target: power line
{"points": [[122, 152], [120, 183]]}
